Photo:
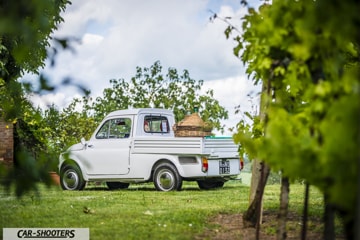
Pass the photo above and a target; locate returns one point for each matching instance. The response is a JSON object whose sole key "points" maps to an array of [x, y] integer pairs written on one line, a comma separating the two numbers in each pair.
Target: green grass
{"points": [[139, 212]]}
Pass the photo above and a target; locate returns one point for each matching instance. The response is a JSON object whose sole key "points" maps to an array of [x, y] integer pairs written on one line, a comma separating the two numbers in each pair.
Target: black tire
{"points": [[117, 185], [71, 178], [166, 178], [208, 185]]}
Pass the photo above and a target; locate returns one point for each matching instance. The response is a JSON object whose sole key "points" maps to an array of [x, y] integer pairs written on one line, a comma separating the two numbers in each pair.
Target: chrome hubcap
{"points": [[165, 180], [71, 179]]}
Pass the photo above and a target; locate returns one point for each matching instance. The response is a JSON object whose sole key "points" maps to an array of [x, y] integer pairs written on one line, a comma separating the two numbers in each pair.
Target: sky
{"points": [[116, 36]]}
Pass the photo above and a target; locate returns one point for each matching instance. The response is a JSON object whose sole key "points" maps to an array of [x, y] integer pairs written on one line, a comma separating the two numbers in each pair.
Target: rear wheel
{"points": [[71, 178], [117, 185], [167, 178], [207, 185]]}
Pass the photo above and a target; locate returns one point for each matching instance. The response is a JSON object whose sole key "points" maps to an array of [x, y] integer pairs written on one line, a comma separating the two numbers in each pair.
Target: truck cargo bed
{"points": [[214, 147]]}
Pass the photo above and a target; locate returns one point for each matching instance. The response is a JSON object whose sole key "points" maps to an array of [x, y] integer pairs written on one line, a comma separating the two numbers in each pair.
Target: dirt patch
{"points": [[230, 226]]}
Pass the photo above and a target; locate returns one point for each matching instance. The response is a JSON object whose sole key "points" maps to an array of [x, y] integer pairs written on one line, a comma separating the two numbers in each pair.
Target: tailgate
{"points": [[221, 147], [223, 167], [224, 156]]}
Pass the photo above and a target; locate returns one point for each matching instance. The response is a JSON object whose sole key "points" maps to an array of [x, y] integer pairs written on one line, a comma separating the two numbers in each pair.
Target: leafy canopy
{"points": [[25, 29], [150, 87], [308, 62]]}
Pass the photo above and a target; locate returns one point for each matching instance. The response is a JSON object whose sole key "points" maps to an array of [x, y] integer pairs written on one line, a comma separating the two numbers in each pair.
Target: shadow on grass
{"points": [[150, 188]]}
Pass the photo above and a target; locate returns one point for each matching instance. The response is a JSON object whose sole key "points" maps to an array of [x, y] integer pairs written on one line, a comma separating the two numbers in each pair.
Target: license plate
{"points": [[224, 167]]}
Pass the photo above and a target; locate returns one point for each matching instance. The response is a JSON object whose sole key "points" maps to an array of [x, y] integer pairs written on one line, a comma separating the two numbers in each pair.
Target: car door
{"points": [[109, 152]]}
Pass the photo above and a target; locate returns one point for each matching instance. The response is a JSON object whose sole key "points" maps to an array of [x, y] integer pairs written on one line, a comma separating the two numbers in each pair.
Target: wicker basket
{"points": [[192, 126]]}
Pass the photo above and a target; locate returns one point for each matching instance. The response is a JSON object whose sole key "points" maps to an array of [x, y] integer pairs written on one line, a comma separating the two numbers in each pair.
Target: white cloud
{"points": [[117, 36], [47, 100], [234, 92]]}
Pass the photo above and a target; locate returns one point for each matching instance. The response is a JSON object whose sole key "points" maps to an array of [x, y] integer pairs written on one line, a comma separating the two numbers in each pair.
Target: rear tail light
{"points": [[241, 163], [205, 165]]}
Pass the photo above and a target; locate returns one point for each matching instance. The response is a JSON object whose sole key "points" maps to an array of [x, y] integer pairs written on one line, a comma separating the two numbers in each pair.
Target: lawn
{"points": [[139, 212]]}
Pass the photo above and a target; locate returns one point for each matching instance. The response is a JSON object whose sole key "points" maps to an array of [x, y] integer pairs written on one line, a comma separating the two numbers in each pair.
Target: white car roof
{"points": [[136, 111]]}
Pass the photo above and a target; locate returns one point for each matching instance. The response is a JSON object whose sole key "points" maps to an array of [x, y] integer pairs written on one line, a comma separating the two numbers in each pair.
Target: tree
{"points": [[67, 126], [311, 59], [25, 30], [25, 33], [150, 88]]}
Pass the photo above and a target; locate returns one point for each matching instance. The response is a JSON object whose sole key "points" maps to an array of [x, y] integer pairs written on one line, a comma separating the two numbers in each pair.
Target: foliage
{"points": [[25, 29], [32, 157], [151, 88], [308, 61], [67, 126]]}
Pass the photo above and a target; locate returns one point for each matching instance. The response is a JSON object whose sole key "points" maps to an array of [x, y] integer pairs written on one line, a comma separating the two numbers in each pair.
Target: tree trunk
{"points": [[251, 216], [258, 169], [357, 215], [305, 212], [255, 178], [284, 204], [329, 214]]}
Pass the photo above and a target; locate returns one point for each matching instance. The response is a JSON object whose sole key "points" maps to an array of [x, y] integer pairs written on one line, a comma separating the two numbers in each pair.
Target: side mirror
{"points": [[83, 142]]}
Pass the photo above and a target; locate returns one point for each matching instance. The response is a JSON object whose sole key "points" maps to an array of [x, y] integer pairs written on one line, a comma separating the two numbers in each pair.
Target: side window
{"points": [[156, 124], [115, 128], [103, 133]]}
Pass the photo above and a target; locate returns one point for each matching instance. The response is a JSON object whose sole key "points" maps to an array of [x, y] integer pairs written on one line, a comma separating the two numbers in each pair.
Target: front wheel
{"points": [[71, 178], [167, 178], [207, 185]]}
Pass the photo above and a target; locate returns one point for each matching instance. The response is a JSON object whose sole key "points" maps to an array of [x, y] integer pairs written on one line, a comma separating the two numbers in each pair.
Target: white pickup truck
{"points": [[138, 146]]}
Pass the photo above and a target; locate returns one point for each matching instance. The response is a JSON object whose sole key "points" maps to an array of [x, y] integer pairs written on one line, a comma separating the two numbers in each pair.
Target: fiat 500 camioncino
{"points": [[139, 145]]}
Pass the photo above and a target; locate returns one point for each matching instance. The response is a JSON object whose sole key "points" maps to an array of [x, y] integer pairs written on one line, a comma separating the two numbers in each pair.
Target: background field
{"points": [[140, 212]]}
